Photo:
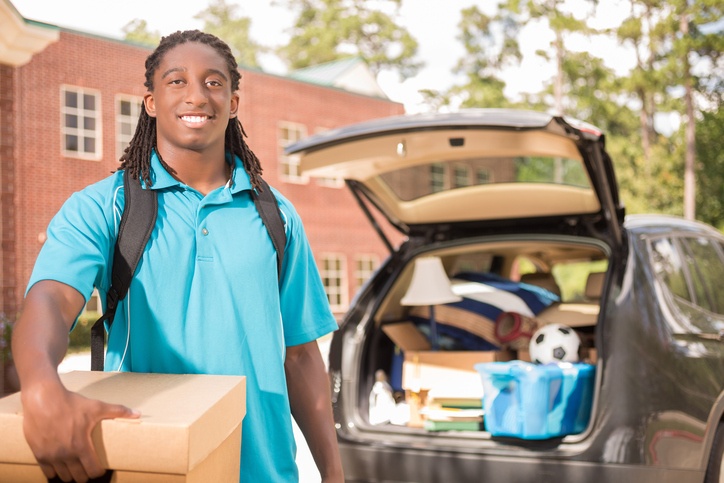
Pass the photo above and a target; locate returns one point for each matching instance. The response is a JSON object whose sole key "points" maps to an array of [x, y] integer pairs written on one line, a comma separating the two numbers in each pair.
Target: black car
{"points": [[520, 205]]}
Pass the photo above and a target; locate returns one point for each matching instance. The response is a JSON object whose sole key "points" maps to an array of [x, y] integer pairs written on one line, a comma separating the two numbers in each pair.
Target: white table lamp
{"points": [[429, 286]]}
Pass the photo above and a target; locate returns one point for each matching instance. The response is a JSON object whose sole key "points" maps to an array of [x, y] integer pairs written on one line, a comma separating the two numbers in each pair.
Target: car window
{"points": [[691, 269], [569, 277], [413, 182], [669, 267], [707, 273]]}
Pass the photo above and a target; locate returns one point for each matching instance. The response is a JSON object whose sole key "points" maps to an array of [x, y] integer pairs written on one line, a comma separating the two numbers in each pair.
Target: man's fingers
{"points": [[111, 411], [64, 474], [47, 470]]}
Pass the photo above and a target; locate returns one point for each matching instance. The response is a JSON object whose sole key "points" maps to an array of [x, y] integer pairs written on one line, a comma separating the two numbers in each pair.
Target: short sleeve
{"points": [[77, 250]]}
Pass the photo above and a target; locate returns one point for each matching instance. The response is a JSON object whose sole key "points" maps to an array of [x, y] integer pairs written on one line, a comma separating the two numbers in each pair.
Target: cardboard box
{"points": [[446, 374], [189, 430]]}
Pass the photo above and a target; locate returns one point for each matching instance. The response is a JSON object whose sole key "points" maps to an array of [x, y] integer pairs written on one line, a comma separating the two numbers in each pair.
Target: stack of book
{"points": [[447, 418]]}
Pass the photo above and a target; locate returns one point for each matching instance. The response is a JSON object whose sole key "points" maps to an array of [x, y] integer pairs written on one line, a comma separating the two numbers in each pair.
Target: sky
{"points": [[432, 22]]}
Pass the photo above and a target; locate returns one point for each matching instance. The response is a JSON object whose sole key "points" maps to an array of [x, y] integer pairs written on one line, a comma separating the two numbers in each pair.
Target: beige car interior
{"points": [[580, 312]]}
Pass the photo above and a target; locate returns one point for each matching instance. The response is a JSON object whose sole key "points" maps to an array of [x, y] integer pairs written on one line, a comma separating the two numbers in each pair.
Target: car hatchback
{"points": [[522, 328]]}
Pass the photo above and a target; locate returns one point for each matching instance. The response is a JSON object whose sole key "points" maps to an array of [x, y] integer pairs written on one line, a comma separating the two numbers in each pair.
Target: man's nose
{"points": [[196, 93]]}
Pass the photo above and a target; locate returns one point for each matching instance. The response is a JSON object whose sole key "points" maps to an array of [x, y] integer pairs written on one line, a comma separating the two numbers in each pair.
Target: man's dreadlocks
{"points": [[137, 156]]}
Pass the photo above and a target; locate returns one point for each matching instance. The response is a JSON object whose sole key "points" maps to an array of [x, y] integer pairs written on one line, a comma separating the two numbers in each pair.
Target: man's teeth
{"points": [[194, 118]]}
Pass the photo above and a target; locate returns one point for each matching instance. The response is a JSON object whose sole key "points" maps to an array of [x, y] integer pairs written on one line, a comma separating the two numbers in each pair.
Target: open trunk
{"points": [[509, 286]]}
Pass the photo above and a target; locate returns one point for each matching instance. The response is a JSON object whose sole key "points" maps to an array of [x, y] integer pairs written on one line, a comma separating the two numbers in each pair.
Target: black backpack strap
{"points": [[266, 205], [137, 223]]}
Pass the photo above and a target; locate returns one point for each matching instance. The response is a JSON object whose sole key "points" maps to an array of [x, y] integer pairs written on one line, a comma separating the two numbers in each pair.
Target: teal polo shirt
{"points": [[205, 297]]}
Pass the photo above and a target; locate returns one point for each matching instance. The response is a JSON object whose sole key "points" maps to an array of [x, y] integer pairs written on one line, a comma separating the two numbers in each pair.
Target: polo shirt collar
{"points": [[162, 179]]}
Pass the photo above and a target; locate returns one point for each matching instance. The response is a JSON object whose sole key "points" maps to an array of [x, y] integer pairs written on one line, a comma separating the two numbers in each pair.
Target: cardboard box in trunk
{"points": [[189, 430], [446, 374]]}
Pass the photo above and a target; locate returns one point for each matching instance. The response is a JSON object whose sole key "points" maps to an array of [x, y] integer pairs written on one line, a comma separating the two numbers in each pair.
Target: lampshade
{"points": [[429, 285]]}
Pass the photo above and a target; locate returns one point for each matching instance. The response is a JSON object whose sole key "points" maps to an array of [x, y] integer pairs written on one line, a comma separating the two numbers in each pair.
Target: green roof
{"points": [[326, 74]]}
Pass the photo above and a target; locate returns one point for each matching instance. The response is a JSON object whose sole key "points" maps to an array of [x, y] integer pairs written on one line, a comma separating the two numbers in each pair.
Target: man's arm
{"points": [[312, 407], [57, 423]]}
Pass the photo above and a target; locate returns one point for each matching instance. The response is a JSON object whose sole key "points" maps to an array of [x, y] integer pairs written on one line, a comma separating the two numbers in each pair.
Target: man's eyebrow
{"points": [[219, 73], [172, 70], [183, 69]]}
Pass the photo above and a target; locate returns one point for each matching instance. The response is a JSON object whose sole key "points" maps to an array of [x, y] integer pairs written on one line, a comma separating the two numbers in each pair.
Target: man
{"points": [[205, 298]]}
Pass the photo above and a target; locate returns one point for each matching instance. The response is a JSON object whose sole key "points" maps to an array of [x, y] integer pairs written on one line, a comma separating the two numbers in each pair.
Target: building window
{"points": [[461, 176], [334, 277], [290, 133], [330, 182], [128, 108], [483, 176], [364, 267], [326, 181], [437, 177], [81, 122]]}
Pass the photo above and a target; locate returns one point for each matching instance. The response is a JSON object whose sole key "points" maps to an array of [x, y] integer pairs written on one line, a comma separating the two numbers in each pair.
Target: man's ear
{"points": [[234, 105], [149, 104]]}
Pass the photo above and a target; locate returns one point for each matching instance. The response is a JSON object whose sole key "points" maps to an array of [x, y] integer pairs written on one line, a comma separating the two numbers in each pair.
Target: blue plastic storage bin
{"points": [[532, 401]]}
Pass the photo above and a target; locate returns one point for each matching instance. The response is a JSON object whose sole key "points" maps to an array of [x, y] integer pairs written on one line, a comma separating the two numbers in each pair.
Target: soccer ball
{"points": [[554, 343]]}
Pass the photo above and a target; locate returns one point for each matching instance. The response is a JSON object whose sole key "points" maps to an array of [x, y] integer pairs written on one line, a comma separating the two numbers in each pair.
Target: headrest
{"points": [[542, 280], [594, 285]]}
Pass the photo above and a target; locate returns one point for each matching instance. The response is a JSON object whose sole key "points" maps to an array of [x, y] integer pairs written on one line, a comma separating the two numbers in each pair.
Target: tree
{"points": [[329, 30], [636, 31], [490, 44], [220, 19], [710, 195], [691, 45], [137, 31]]}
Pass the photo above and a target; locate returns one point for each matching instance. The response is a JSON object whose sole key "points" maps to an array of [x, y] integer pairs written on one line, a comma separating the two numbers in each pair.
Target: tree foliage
{"points": [[490, 45], [221, 19], [137, 31], [710, 170], [329, 30]]}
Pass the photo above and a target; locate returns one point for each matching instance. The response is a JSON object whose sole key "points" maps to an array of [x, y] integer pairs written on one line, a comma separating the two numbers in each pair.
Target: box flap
{"points": [[184, 417], [406, 336]]}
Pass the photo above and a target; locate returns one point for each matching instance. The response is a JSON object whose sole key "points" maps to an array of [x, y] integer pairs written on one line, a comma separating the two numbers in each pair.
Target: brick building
{"points": [[68, 105]]}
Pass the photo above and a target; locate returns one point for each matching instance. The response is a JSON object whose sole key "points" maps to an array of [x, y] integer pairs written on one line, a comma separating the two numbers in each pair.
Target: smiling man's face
{"points": [[192, 99]]}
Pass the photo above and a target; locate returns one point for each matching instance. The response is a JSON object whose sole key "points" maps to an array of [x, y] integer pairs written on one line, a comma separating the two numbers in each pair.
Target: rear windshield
{"points": [[418, 181]]}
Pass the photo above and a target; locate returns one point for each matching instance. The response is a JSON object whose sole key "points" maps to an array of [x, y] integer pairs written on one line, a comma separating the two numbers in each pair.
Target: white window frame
{"points": [[122, 139], [289, 165], [438, 178], [79, 131], [337, 294], [327, 182], [489, 176], [458, 168], [365, 265]]}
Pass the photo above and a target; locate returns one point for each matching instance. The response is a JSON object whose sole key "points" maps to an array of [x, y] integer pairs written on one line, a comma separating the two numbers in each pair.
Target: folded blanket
{"points": [[470, 323]]}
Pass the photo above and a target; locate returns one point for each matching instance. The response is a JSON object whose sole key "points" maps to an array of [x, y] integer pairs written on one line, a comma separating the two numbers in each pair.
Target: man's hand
{"points": [[58, 425]]}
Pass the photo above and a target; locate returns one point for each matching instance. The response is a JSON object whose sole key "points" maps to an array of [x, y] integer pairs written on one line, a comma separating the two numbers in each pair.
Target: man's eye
{"points": [[176, 81], [214, 83]]}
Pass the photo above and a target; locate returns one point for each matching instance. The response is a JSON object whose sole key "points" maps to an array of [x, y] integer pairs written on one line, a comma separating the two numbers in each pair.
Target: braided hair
{"points": [[137, 156]]}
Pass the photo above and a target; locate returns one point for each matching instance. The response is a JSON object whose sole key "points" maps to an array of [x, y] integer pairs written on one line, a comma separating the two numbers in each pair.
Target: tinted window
{"points": [[692, 270], [707, 273], [669, 266], [411, 183]]}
